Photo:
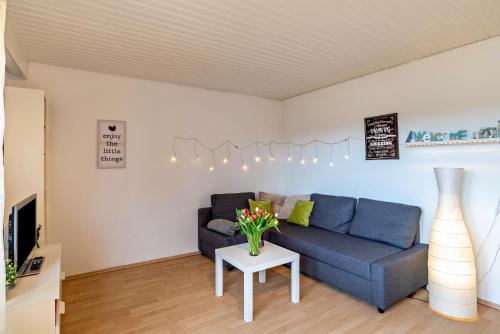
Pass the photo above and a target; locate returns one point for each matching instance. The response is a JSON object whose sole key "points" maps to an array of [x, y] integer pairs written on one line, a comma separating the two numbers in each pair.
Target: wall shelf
{"points": [[455, 142]]}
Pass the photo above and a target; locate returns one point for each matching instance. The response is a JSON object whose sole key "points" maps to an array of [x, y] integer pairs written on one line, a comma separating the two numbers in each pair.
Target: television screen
{"points": [[25, 224]]}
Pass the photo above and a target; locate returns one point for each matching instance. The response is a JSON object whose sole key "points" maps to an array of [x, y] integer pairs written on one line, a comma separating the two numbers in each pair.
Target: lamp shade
{"points": [[452, 271]]}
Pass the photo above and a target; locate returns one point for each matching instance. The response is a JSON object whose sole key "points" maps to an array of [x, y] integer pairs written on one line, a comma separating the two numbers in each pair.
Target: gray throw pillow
{"points": [[223, 226]]}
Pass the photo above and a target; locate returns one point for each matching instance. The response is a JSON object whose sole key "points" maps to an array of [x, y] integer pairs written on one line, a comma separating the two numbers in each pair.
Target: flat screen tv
{"points": [[24, 230]]}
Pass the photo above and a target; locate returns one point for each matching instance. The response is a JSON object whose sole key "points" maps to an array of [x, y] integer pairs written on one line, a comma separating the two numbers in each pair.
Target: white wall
{"points": [[453, 90], [148, 210]]}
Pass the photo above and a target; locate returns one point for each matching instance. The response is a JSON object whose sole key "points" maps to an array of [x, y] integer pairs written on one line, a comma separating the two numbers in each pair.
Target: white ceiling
{"points": [[270, 48]]}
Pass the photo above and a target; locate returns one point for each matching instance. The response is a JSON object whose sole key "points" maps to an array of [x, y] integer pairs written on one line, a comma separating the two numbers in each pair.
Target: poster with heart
{"points": [[381, 137], [111, 144]]}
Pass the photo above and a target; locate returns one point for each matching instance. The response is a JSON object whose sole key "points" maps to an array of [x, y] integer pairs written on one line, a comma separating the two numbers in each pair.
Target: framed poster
{"points": [[381, 137], [111, 144]]}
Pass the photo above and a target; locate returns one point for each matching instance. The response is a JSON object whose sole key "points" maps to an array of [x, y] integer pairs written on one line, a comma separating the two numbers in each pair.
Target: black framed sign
{"points": [[381, 137]]}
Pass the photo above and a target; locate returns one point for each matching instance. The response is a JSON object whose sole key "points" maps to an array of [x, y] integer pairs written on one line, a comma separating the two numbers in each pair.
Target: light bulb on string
{"points": [[302, 161], [289, 156], [244, 166], [211, 168], [315, 159], [331, 156], [271, 155], [196, 150], [257, 157], [346, 156], [173, 158], [226, 158]]}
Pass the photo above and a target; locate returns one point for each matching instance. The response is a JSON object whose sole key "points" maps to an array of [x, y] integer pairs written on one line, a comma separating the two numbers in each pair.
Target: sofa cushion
{"points": [[392, 223], [219, 240], [332, 213], [343, 251], [275, 199], [289, 204], [224, 205]]}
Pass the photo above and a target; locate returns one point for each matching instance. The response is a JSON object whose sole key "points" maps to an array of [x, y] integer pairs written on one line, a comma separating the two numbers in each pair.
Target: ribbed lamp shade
{"points": [[452, 270]]}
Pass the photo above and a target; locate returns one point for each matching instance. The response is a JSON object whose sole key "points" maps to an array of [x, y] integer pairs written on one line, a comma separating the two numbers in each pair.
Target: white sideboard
{"points": [[35, 305]]}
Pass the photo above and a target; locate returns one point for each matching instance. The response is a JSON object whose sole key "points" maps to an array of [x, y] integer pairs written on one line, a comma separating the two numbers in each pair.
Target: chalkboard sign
{"points": [[381, 137]]}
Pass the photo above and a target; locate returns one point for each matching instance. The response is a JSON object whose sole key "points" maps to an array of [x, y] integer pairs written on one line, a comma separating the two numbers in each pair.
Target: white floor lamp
{"points": [[452, 270]]}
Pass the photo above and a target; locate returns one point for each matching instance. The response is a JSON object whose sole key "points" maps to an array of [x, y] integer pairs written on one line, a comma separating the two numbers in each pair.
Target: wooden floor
{"points": [[177, 296]]}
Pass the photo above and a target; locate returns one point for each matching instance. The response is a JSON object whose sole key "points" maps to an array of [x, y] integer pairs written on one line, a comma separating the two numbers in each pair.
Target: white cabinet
{"points": [[35, 305], [25, 150]]}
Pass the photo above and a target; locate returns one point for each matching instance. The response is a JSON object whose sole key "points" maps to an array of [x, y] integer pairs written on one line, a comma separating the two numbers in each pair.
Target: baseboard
{"points": [[487, 303], [131, 265]]}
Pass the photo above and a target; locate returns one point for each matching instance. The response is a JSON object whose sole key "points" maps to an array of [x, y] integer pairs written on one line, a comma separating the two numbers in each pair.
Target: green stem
{"points": [[253, 243]]}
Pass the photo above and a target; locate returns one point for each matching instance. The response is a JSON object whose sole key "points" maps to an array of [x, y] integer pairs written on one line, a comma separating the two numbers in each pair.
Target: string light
{"points": [[331, 156], [229, 145], [302, 161], [315, 159], [271, 156], [211, 168], [173, 158], [243, 164], [196, 150], [257, 157], [226, 158], [347, 140], [289, 157]]}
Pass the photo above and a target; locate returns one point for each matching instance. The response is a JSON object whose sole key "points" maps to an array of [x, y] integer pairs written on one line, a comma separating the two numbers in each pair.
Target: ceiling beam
{"points": [[16, 62]]}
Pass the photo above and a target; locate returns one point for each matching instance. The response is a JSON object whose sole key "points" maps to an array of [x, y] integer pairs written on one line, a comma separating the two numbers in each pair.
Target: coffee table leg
{"points": [[295, 290], [248, 297], [218, 276], [262, 276]]}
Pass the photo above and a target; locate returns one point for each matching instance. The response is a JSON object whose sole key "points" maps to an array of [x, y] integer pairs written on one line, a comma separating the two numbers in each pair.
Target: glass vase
{"points": [[254, 244]]}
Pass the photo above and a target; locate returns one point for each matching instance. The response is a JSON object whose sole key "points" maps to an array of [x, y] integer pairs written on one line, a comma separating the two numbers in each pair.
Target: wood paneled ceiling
{"points": [[269, 48]]}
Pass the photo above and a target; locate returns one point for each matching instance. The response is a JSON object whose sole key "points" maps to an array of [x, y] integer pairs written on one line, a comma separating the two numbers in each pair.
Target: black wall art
{"points": [[381, 137]]}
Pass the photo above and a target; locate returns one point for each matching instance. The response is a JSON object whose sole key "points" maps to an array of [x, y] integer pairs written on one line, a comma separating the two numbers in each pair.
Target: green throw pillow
{"points": [[266, 206], [301, 212]]}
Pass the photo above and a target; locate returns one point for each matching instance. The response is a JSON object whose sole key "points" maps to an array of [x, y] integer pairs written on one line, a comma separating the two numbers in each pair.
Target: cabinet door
{"points": [[24, 149], [38, 318]]}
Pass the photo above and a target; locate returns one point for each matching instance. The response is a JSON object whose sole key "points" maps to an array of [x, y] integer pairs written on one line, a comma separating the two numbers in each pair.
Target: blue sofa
{"points": [[367, 248]]}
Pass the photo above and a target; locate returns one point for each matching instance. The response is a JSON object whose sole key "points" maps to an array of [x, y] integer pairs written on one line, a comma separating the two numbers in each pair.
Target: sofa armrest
{"points": [[396, 276], [204, 216]]}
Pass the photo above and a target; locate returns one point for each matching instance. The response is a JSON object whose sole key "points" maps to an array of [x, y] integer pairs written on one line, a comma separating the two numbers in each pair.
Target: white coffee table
{"points": [[271, 256]]}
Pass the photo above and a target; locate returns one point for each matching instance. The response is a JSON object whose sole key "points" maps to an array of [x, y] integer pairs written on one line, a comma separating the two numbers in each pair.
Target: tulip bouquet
{"points": [[254, 224]]}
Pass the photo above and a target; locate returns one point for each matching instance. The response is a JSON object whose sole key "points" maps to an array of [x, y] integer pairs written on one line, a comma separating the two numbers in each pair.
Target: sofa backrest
{"points": [[224, 205], [393, 223], [332, 213]]}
